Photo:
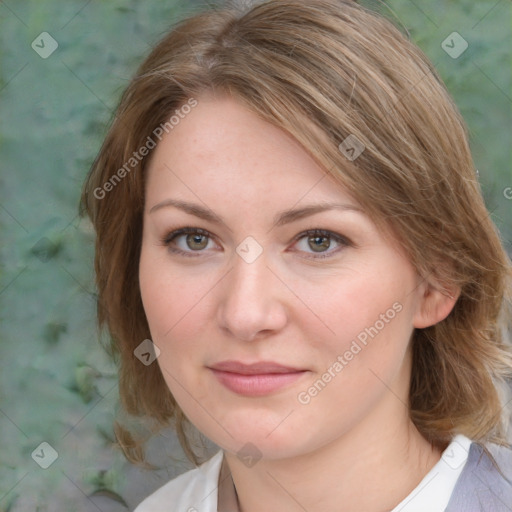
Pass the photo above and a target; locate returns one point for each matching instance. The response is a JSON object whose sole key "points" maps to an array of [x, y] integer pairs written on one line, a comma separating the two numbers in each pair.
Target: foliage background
{"points": [[56, 383]]}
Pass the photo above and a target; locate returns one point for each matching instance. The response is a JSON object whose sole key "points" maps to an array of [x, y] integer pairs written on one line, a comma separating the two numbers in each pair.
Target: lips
{"points": [[259, 368], [255, 379]]}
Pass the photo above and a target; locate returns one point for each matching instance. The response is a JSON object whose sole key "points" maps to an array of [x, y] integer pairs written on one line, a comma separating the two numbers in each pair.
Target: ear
{"points": [[434, 305]]}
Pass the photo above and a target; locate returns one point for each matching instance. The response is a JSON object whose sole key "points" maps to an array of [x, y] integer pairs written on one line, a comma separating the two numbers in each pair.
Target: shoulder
{"points": [[193, 491], [486, 480]]}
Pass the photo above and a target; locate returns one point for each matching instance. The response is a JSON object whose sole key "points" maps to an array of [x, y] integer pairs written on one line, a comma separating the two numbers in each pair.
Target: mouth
{"points": [[255, 379]]}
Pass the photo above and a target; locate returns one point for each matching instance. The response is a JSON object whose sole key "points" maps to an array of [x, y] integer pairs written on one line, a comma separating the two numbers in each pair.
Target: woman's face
{"points": [[269, 335]]}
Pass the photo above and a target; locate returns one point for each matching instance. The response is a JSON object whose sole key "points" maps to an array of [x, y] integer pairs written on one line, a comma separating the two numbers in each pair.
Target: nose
{"points": [[252, 302]]}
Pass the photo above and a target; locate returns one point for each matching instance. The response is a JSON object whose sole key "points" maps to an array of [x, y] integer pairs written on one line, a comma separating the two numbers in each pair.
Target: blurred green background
{"points": [[56, 383]]}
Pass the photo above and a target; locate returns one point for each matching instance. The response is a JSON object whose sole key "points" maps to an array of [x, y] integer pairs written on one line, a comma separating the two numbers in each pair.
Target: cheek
{"points": [[176, 304], [363, 304], [370, 325], [358, 365], [171, 299]]}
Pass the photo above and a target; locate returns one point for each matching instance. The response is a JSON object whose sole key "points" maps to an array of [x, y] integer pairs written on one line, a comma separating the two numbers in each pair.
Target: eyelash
{"points": [[343, 241]]}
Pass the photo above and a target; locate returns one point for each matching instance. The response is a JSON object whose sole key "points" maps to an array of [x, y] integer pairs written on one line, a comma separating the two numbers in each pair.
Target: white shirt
{"points": [[197, 490]]}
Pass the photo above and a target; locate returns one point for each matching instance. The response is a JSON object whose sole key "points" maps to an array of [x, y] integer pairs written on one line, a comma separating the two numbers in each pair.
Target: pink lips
{"points": [[256, 379]]}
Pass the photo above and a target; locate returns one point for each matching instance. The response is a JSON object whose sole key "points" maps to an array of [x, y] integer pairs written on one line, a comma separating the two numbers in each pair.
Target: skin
{"points": [[353, 443]]}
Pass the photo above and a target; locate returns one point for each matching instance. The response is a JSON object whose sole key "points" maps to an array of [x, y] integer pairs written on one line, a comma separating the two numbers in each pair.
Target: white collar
{"points": [[193, 491], [434, 491]]}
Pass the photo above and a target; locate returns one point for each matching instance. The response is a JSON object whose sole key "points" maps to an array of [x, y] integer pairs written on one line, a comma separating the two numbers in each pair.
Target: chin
{"points": [[252, 435]]}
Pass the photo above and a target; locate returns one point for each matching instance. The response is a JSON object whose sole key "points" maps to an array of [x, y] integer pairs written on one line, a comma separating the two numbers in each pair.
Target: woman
{"points": [[293, 255]]}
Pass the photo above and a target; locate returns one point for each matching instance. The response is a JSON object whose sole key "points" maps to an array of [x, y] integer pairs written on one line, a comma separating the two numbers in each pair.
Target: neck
{"points": [[371, 468]]}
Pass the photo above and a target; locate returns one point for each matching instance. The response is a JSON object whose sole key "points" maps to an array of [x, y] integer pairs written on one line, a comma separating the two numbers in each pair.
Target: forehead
{"points": [[221, 147]]}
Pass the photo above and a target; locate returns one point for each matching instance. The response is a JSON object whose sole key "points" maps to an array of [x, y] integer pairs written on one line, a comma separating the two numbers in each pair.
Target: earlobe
{"points": [[434, 306]]}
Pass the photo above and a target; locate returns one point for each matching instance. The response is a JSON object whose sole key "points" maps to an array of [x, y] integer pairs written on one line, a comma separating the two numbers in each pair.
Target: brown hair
{"points": [[323, 70]]}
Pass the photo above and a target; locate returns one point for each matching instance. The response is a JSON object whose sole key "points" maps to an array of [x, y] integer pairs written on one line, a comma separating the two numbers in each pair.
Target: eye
{"points": [[320, 240], [196, 240]]}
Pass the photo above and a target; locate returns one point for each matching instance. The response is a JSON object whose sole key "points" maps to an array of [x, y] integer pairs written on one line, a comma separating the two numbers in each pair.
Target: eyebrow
{"points": [[282, 218]]}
